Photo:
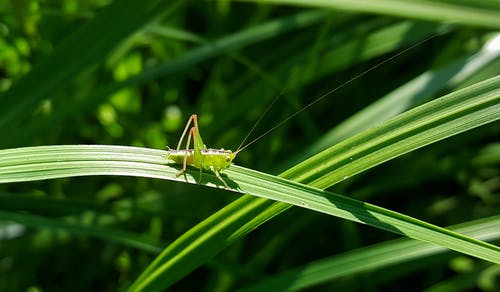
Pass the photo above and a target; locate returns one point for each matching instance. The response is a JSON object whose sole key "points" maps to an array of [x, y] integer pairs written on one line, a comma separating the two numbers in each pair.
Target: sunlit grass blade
{"points": [[436, 120], [370, 258], [425, 10], [405, 97]]}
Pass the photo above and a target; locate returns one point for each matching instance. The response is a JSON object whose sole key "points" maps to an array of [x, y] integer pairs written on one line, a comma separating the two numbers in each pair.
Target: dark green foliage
{"points": [[131, 72]]}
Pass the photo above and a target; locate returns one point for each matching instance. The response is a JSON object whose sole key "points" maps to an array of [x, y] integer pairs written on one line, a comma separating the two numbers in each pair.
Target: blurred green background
{"points": [[126, 73]]}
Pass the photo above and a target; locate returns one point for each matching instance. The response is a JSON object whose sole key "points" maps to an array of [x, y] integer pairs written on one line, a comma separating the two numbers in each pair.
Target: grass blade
{"points": [[370, 258], [113, 235], [403, 98], [424, 10], [33, 163], [449, 115]]}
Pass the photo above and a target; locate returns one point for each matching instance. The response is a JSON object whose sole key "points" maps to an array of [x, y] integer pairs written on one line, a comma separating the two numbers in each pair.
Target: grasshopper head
{"points": [[230, 156]]}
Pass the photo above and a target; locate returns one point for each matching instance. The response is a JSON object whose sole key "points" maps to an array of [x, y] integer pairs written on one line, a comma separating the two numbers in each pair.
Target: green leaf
{"points": [[436, 120], [424, 10], [369, 258], [33, 163], [407, 96]]}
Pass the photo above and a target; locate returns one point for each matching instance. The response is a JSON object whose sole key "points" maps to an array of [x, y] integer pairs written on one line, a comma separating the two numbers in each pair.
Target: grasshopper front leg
{"points": [[217, 173]]}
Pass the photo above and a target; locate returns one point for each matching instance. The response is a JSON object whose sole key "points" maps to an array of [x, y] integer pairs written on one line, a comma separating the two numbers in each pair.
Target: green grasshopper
{"points": [[200, 157]]}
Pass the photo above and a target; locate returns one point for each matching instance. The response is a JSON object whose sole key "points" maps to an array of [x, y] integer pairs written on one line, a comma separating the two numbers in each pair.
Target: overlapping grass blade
{"points": [[45, 162], [405, 97], [229, 227], [370, 258], [449, 115]]}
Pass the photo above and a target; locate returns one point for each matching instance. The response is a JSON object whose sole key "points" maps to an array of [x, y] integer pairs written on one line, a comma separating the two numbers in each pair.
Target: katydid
{"points": [[200, 156]]}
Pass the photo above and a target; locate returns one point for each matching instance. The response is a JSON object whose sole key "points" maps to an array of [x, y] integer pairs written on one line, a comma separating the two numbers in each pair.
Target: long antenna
{"points": [[260, 119], [332, 91]]}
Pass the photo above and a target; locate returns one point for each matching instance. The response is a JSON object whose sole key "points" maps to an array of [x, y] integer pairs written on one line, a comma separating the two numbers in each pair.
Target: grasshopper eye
{"points": [[228, 159]]}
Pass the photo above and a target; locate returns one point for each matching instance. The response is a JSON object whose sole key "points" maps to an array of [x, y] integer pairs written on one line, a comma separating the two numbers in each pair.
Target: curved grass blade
{"points": [[403, 98], [436, 120], [32, 163], [481, 106], [369, 258], [424, 10]]}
